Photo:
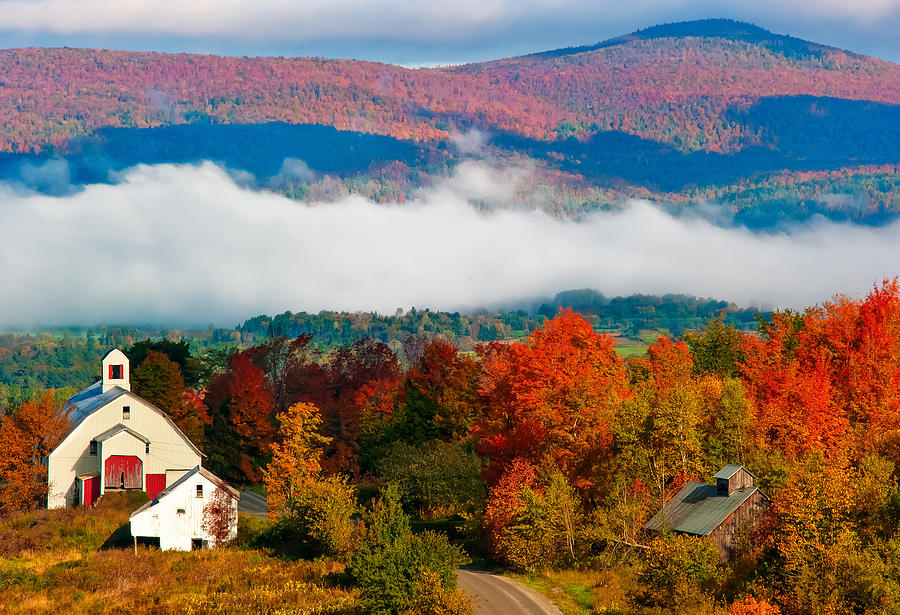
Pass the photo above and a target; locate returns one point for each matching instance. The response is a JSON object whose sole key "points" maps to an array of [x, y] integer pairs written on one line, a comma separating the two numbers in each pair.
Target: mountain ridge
{"points": [[675, 112]]}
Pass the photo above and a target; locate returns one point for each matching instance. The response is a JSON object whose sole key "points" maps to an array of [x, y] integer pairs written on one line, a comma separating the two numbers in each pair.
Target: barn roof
{"points": [[698, 509], [218, 482], [83, 404], [729, 471], [109, 433]]}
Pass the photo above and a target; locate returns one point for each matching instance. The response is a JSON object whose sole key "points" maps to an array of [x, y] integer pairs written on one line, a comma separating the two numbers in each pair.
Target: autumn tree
{"points": [[316, 509], [554, 395], [220, 516], [27, 435], [296, 458], [191, 369], [158, 380], [243, 423], [353, 375]]}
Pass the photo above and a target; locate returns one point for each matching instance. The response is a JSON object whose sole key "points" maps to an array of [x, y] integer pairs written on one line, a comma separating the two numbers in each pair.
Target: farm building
{"points": [[719, 510], [180, 515], [116, 440]]}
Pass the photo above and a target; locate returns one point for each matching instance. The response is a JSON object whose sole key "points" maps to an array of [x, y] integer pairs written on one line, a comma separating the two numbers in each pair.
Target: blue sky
{"points": [[413, 32]]}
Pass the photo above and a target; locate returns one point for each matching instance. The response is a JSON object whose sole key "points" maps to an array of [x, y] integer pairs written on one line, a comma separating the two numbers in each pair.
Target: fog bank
{"points": [[184, 244]]}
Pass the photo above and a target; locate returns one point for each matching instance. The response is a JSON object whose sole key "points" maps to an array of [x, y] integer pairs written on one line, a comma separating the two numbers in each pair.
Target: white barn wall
{"points": [[168, 448]]}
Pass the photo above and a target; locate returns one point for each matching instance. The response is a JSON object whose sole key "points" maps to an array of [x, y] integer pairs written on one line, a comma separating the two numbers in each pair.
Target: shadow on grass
{"points": [[120, 539]]}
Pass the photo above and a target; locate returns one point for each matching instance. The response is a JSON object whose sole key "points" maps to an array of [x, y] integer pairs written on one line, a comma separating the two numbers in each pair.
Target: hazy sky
{"points": [[414, 32], [185, 245]]}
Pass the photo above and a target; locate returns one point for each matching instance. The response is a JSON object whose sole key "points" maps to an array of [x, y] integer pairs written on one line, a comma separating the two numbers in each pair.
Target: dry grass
{"points": [[580, 592], [63, 561]]}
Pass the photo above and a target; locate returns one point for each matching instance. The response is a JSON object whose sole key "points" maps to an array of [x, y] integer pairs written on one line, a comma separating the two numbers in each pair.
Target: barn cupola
{"points": [[115, 371], [732, 478]]}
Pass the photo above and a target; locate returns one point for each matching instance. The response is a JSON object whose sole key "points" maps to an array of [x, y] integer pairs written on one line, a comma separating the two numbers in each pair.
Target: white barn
{"points": [[177, 514], [116, 441]]}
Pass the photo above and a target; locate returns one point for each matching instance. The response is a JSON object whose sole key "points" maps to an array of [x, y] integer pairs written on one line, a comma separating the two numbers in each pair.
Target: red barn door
{"points": [[155, 484], [123, 472], [91, 488]]}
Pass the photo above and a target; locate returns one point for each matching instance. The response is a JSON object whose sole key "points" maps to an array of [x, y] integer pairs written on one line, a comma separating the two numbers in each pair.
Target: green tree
{"points": [[158, 380], [716, 348], [437, 477]]}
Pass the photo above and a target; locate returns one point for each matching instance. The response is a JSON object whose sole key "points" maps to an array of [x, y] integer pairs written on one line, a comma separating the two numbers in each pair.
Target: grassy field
{"points": [[82, 560]]}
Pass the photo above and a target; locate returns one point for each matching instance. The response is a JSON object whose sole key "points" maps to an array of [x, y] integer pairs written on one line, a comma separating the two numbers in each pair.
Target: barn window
{"points": [[199, 491], [115, 372], [126, 412], [147, 448], [180, 511], [93, 450]]}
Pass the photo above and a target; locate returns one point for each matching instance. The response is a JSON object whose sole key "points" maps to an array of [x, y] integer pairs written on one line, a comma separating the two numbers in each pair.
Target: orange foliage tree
{"points": [[296, 460], [554, 395], [27, 435], [828, 379]]}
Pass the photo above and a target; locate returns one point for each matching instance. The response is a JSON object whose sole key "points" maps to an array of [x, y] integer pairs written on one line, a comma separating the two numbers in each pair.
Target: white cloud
{"points": [[186, 245]]}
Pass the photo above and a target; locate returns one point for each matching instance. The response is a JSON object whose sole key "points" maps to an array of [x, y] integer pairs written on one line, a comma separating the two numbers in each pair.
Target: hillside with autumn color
{"points": [[712, 110]]}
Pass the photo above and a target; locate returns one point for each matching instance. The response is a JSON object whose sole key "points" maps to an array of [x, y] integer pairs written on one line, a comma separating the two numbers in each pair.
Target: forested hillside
{"points": [[713, 110]]}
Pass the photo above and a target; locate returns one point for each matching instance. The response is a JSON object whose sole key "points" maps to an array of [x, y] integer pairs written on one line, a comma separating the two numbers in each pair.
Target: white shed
{"points": [[176, 515]]}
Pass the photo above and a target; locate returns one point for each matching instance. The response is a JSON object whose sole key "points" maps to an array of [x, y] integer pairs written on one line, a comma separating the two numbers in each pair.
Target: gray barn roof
{"points": [[728, 471], [82, 404], [697, 509]]}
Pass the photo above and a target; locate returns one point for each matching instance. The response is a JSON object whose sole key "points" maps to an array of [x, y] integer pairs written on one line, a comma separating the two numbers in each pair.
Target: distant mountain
{"points": [[703, 110], [728, 29]]}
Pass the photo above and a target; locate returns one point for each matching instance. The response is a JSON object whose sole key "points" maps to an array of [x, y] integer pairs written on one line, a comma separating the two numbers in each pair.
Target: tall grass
{"points": [[73, 561]]}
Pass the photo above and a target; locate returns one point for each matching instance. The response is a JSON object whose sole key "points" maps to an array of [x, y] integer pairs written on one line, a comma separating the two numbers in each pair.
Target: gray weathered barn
{"points": [[719, 510]]}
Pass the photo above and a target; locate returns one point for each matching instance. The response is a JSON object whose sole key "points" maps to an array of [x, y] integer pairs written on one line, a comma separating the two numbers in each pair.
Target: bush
{"points": [[433, 599], [324, 516], [391, 565]]}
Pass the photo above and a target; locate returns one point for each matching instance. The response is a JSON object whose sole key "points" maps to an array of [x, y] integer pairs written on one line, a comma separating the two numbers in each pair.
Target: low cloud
{"points": [[182, 245]]}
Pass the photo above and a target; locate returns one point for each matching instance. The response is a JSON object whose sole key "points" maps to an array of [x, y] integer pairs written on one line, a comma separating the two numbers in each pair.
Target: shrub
{"points": [[323, 515], [432, 598], [389, 565]]}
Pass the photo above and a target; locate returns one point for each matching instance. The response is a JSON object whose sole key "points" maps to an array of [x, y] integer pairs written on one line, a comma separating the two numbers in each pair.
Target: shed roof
{"points": [[698, 509], [218, 482], [109, 433], [728, 471]]}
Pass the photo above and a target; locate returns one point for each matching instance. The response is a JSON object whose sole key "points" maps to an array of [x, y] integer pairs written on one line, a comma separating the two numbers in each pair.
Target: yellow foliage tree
{"points": [[296, 460]]}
